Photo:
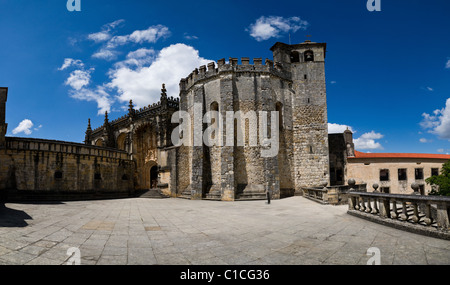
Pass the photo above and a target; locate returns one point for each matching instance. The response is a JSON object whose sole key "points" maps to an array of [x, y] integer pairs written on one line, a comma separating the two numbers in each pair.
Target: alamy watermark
{"points": [[375, 254], [74, 5], [75, 256], [262, 131], [374, 5]]}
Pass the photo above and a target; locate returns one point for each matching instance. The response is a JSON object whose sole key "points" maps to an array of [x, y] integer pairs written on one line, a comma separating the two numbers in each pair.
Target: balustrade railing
{"points": [[419, 213]]}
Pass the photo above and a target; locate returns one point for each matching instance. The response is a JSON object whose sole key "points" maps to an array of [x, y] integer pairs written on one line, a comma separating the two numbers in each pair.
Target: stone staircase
{"points": [[151, 194]]}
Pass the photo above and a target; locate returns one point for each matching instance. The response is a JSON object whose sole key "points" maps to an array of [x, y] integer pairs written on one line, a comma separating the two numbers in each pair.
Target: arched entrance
{"points": [[154, 177]]}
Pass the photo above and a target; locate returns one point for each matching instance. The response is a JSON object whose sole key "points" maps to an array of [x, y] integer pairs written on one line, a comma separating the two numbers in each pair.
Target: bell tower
{"points": [[306, 63], [3, 124]]}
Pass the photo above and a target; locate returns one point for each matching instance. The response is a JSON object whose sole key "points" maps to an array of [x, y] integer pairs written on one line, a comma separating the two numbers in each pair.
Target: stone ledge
{"points": [[405, 226]]}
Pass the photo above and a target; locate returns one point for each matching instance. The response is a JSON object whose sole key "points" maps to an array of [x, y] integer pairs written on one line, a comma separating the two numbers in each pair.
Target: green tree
{"points": [[442, 181]]}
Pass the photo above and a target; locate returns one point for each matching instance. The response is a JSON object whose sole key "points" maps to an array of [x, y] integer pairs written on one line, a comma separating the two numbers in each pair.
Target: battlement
{"points": [[32, 144], [233, 65]]}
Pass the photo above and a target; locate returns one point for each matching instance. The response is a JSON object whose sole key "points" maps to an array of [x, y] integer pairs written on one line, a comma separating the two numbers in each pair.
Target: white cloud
{"points": [[105, 53], [440, 150], [143, 85], [100, 36], [367, 141], [189, 37], [151, 35], [24, 127], [137, 58], [337, 128], [105, 33], [333, 82], [79, 78], [98, 95], [38, 128], [273, 26], [439, 122], [424, 140], [68, 62], [430, 89], [447, 65]]}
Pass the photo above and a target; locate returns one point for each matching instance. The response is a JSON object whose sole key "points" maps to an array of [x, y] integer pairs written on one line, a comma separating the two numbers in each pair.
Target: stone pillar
{"points": [[197, 158], [442, 215], [227, 151], [3, 125]]}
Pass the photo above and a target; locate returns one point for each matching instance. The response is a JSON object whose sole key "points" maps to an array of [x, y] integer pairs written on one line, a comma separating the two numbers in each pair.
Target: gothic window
{"points": [[214, 107], [295, 57], [309, 55]]}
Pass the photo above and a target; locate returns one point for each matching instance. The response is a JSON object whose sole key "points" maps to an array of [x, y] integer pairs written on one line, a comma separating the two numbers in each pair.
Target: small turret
{"points": [[131, 110], [163, 97], [87, 138]]}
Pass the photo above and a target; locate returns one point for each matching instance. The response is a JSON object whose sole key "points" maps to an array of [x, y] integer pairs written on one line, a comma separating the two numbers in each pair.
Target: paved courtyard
{"points": [[177, 231]]}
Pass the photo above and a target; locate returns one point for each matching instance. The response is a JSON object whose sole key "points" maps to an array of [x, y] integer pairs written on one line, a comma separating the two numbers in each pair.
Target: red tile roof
{"points": [[359, 154]]}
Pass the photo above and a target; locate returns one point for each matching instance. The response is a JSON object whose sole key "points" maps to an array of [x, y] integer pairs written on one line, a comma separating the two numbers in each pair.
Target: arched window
{"points": [[309, 55], [295, 57], [279, 109], [214, 107]]}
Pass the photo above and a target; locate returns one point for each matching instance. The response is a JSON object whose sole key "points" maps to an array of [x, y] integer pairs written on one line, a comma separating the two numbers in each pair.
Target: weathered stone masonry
{"points": [[295, 86]]}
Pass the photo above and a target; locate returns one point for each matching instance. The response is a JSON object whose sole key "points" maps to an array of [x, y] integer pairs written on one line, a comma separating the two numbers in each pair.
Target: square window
{"points": [[402, 174], [434, 171], [418, 173], [384, 175]]}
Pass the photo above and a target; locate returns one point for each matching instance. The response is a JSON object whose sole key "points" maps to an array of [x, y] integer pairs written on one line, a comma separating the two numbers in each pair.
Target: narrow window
{"points": [[434, 171], [305, 76], [97, 176], [418, 173], [384, 175], [402, 174], [279, 109], [310, 149], [125, 177]]}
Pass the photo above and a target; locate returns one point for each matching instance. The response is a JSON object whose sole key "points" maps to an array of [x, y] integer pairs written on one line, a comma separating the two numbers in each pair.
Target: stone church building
{"points": [[135, 152], [293, 84]]}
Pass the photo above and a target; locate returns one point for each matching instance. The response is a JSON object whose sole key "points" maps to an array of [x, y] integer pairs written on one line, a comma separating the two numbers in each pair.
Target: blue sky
{"points": [[388, 72]]}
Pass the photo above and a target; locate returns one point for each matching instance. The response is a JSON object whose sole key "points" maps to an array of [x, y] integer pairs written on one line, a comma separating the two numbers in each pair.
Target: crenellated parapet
{"points": [[211, 71]]}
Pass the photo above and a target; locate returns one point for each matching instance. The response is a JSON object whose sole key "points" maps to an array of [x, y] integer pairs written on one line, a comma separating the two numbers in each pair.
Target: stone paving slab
{"points": [[177, 231]]}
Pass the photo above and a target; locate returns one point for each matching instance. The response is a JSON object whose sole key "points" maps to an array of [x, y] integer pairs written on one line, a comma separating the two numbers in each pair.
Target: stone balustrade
{"points": [[417, 213], [333, 195]]}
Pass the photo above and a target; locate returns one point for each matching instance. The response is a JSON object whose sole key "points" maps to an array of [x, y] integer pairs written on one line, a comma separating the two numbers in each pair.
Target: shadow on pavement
{"points": [[13, 218]]}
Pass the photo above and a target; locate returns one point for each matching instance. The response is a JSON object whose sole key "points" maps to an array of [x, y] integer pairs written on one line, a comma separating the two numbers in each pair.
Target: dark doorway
{"points": [[154, 177]]}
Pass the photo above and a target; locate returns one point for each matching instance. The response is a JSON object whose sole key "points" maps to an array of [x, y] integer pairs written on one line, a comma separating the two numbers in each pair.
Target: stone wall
{"points": [[62, 170], [367, 170]]}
